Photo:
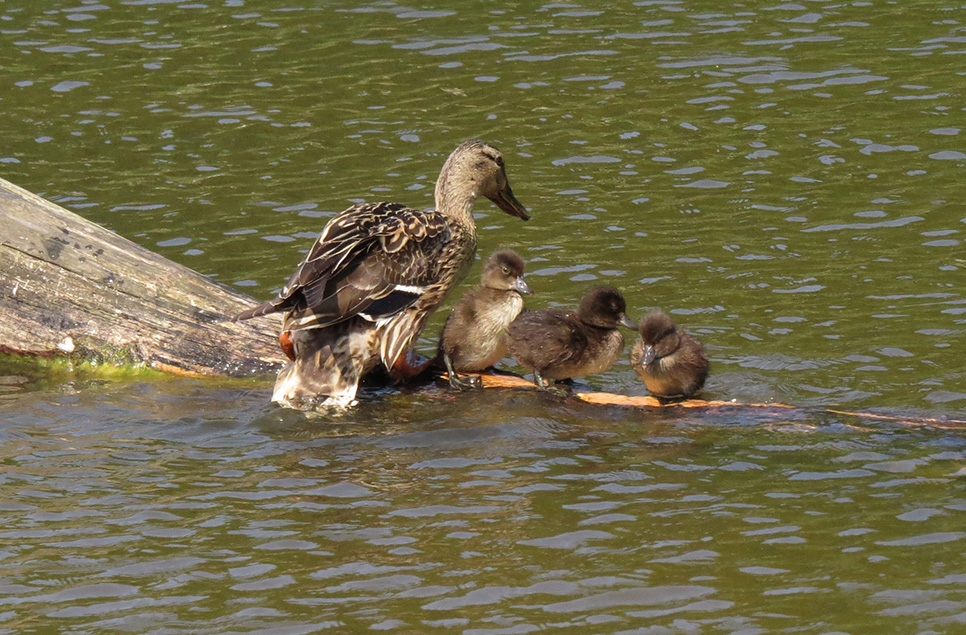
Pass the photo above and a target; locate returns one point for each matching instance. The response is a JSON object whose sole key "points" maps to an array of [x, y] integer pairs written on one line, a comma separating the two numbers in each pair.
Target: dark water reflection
{"points": [[782, 177]]}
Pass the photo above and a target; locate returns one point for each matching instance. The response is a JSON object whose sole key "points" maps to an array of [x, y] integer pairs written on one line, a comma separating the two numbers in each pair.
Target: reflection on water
{"points": [[781, 177], [186, 508]]}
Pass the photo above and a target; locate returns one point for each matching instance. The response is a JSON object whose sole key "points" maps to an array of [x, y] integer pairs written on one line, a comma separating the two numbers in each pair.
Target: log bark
{"points": [[69, 287]]}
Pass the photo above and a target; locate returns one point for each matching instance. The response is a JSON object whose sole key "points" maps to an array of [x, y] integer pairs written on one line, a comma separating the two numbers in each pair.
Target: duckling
{"points": [[671, 362], [474, 336], [559, 345], [376, 273]]}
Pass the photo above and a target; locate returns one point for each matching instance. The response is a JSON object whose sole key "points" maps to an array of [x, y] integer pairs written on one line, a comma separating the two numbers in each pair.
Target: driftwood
{"points": [[69, 287]]}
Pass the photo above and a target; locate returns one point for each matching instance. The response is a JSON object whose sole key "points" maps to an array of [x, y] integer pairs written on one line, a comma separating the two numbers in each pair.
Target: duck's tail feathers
{"points": [[264, 308], [398, 334]]}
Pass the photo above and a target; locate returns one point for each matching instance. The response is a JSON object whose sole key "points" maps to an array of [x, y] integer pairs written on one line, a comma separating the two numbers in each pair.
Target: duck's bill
{"points": [[628, 322], [506, 201], [521, 287], [648, 355]]}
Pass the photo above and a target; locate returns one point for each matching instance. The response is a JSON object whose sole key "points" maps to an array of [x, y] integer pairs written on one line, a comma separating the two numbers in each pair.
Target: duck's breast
{"points": [[603, 351], [487, 335]]}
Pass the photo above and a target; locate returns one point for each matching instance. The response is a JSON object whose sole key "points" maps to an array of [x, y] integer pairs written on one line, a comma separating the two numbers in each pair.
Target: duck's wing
{"points": [[372, 260]]}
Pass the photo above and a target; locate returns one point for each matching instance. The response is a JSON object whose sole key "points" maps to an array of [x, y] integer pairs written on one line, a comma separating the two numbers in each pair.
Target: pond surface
{"points": [[784, 178]]}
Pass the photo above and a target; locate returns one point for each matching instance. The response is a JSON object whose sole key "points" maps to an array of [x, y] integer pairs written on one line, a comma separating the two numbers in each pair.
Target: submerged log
{"points": [[69, 287], [610, 399], [647, 401]]}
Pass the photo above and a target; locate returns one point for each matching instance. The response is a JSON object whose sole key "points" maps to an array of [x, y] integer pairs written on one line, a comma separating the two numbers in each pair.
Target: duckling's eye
{"points": [[499, 161], [506, 270]]}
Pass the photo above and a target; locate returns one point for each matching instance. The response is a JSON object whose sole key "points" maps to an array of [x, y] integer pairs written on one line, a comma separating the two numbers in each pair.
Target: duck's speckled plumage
{"points": [[671, 362], [474, 336], [557, 344], [374, 276]]}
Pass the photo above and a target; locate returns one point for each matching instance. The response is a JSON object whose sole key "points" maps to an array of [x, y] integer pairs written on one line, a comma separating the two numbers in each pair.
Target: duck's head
{"points": [[478, 168], [504, 270], [604, 307], [657, 328]]}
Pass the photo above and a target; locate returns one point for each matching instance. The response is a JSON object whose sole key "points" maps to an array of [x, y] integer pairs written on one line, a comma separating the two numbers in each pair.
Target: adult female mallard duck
{"points": [[376, 273], [557, 344], [669, 361], [474, 336]]}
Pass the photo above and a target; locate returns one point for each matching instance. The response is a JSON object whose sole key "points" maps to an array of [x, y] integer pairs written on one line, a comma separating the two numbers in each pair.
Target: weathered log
{"points": [[69, 287]]}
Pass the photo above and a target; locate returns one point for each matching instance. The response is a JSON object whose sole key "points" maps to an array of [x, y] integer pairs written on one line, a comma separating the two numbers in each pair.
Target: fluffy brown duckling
{"points": [[669, 361], [558, 344], [474, 336]]}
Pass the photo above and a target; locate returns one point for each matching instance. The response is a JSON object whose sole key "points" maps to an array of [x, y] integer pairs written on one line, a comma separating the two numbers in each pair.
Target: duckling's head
{"points": [[659, 334], [604, 307], [655, 327], [504, 271], [474, 169]]}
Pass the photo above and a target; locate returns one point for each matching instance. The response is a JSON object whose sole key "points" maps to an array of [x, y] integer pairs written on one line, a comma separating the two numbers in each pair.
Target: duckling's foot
{"points": [[465, 382], [558, 390], [456, 382]]}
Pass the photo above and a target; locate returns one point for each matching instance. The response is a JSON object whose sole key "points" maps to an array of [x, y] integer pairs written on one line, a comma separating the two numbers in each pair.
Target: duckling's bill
{"points": [[520, 286], [648, 355]]}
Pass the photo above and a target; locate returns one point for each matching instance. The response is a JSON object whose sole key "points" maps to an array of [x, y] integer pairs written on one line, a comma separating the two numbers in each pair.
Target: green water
{"points": [[784, 178]]}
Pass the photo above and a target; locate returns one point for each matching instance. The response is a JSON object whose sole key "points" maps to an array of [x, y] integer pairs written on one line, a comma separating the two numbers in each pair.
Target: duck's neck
{"points": [[455, 197]]}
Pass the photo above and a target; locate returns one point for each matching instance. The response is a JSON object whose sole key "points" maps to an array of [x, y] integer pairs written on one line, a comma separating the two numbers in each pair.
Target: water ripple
{"points": [[644, 596], [896, 222]]}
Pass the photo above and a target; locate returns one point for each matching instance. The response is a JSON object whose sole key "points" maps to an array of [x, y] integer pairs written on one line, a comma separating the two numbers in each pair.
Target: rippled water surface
{"points": [[785, 178]]}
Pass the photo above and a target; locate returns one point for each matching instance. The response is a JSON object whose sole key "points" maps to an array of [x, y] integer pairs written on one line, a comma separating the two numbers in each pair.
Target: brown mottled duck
{"points": [[376, 273]]}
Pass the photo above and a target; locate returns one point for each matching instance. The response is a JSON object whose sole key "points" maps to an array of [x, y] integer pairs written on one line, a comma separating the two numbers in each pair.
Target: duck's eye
{"points": [[499, 161]]}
